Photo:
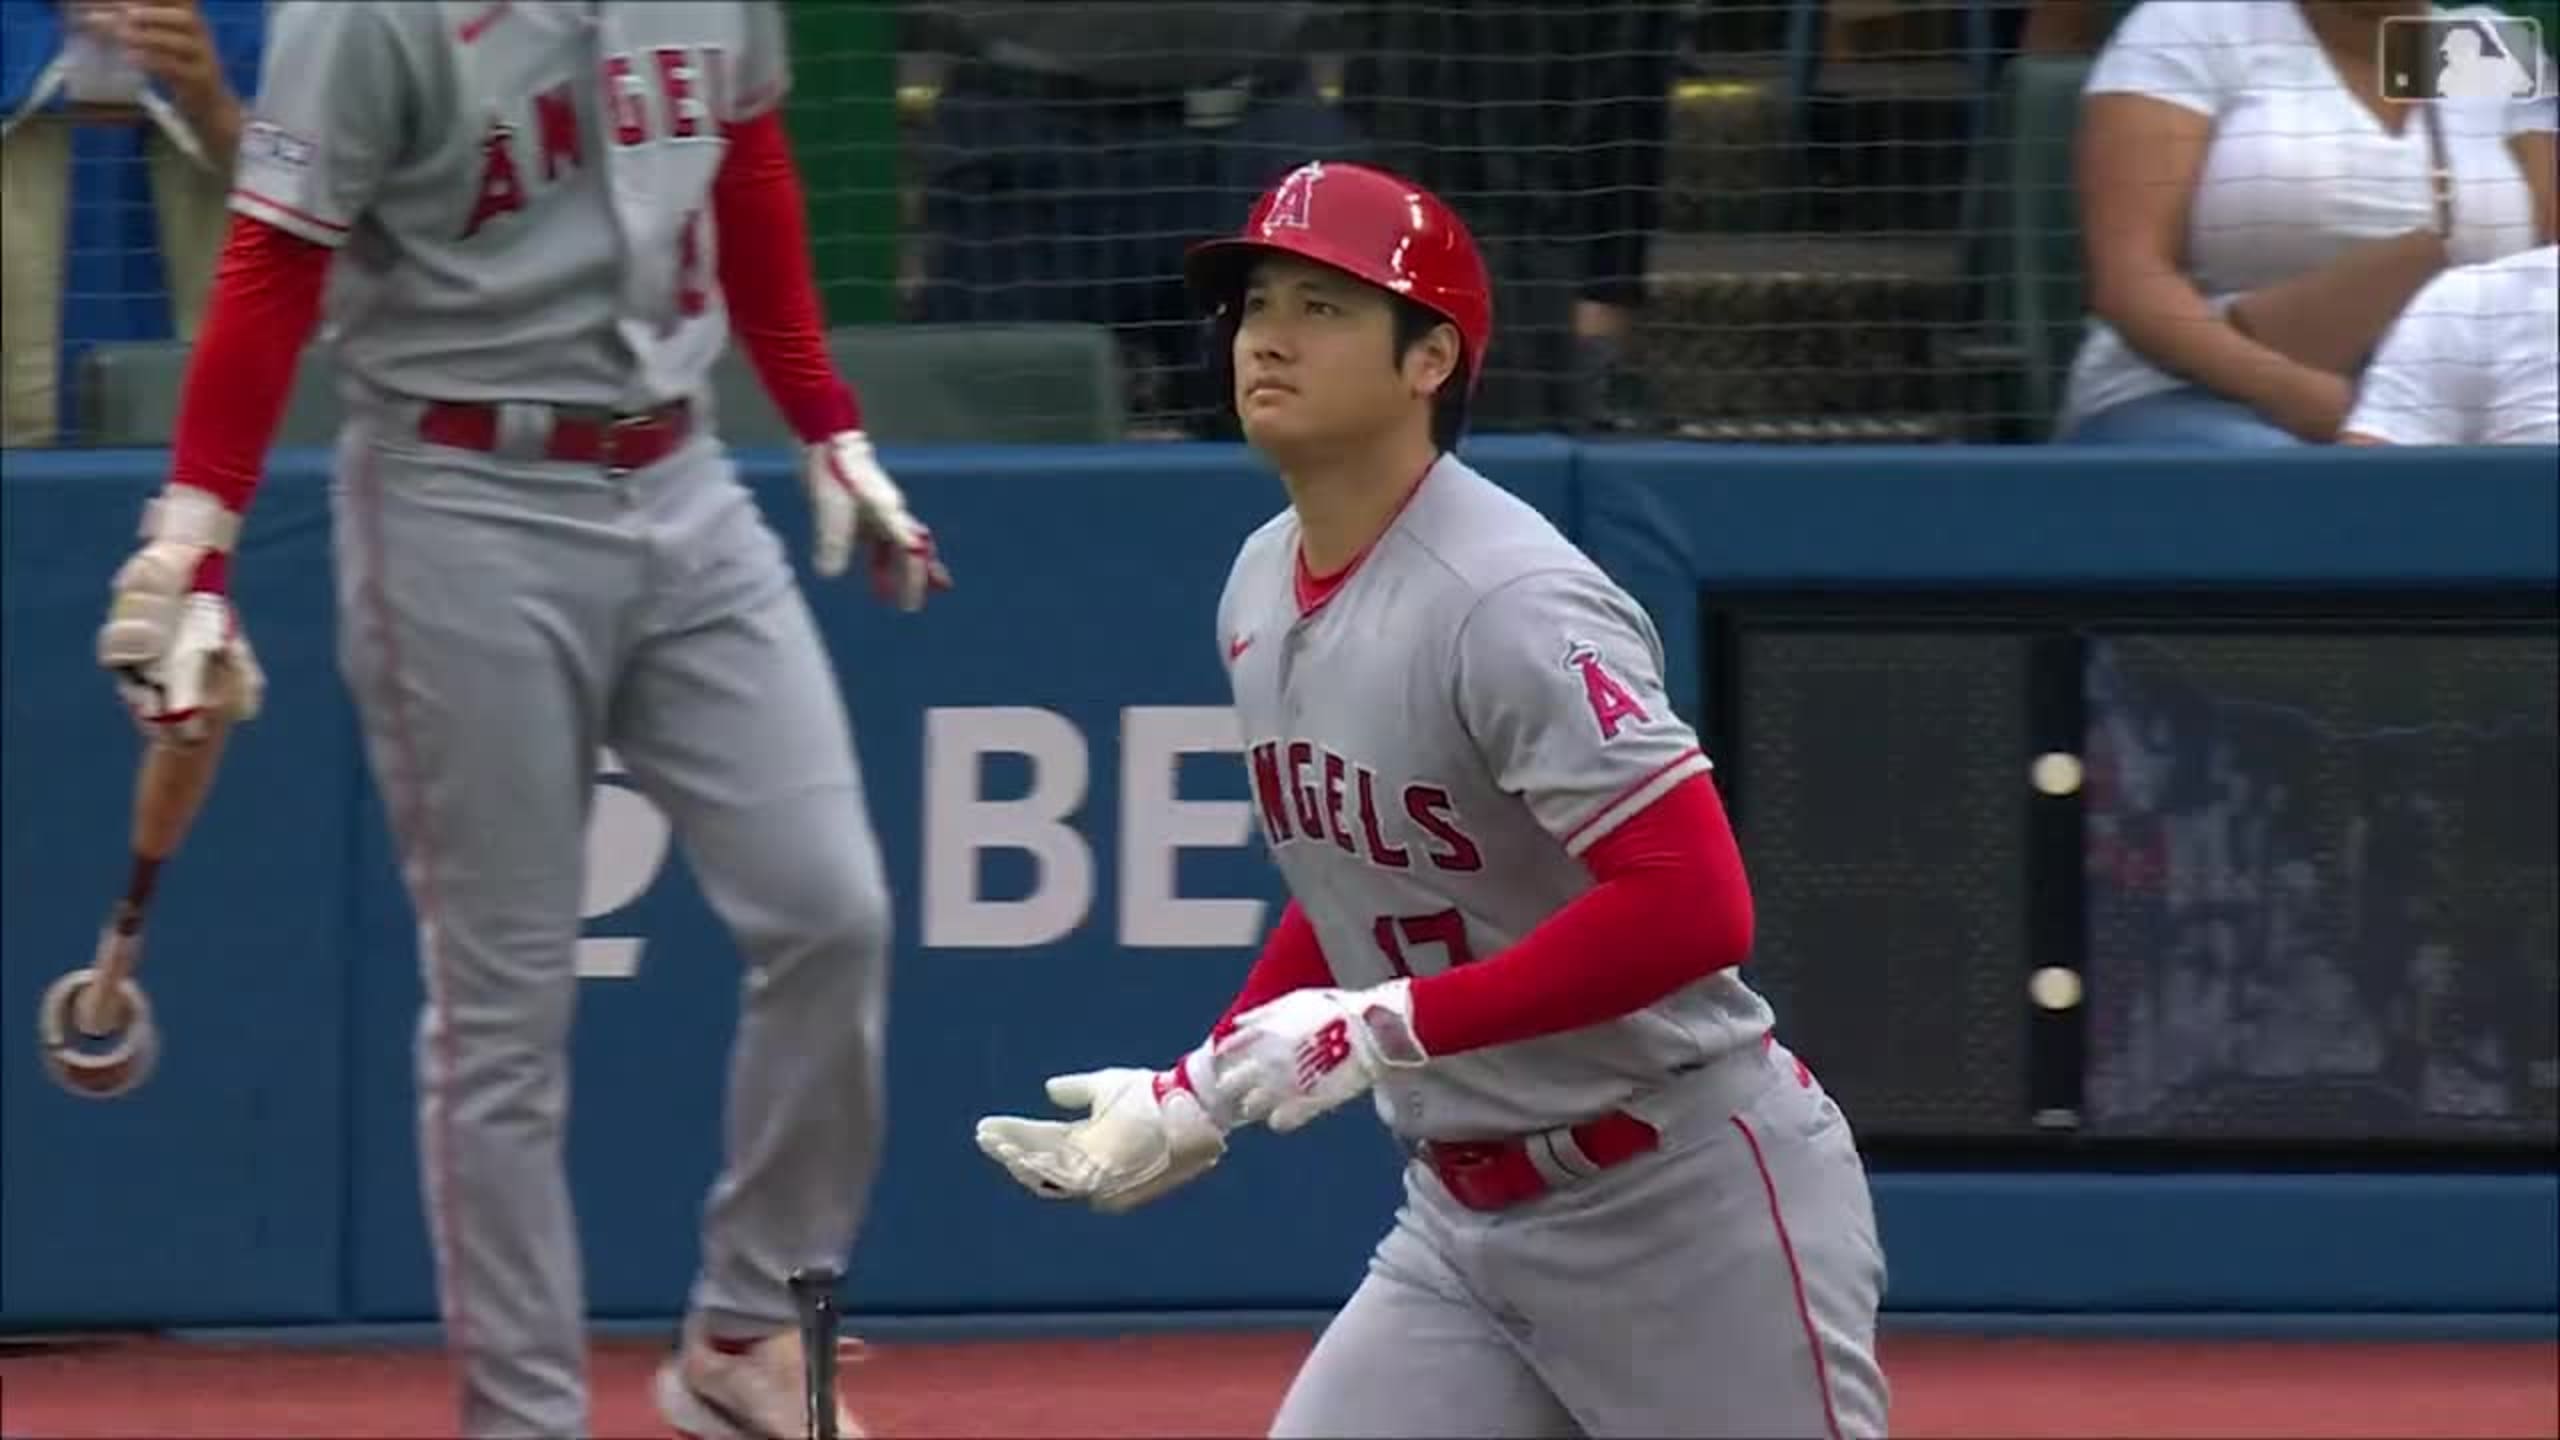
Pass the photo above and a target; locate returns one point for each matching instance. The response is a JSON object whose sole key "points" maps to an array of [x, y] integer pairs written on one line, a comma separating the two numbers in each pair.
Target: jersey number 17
{"points": [[1444, 928]]}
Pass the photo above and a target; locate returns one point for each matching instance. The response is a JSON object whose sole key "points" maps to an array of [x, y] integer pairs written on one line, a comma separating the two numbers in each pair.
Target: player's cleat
{"points": [[757, 1393]]}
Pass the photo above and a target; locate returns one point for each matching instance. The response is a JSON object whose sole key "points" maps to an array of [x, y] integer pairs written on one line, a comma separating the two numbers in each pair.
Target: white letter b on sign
{"points": [[958, 826]]}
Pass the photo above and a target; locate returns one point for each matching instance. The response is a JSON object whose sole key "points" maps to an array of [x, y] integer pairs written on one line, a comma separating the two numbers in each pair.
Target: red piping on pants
{"points": [[409, 823], [1795, 1273]]}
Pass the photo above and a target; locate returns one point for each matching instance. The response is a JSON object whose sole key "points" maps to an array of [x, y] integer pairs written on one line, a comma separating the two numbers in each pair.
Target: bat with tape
{"points": [[95, 1025]]}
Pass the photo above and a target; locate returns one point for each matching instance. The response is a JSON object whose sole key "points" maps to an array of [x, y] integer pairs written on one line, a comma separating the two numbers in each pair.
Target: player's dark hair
{"points": [[1448, 408]]}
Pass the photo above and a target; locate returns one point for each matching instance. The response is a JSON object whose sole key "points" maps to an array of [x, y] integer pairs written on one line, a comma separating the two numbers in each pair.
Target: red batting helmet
{"points": [[1370, 224]]}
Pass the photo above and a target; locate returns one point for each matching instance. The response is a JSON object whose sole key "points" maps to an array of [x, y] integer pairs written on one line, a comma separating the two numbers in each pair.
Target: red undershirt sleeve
{"points": [[313, 158], [767, 280], [1671, 904], [1558, 675], [1291, 959], [265, 304]]}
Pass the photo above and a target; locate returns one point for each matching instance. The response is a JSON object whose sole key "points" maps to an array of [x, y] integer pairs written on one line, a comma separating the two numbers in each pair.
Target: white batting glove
{"points": [[171, 638], [1147, 1132], [1286, 1062], [854, 502]]}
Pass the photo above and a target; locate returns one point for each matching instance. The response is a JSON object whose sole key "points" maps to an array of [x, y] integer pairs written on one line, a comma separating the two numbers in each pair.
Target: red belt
{"points": [[617, 442], [1498, 1174]]}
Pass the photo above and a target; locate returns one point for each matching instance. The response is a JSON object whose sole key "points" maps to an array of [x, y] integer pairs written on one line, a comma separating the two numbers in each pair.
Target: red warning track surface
{"points": [[1226, 1385]]}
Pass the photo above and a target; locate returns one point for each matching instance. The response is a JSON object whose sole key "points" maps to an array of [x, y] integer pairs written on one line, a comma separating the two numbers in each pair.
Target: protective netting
{"points": [[1729, 220], [1848, 220], [1778, 220]]}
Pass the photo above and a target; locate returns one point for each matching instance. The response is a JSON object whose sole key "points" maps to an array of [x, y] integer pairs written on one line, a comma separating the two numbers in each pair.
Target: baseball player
{"points": [[1517, 913], [529, 229]]}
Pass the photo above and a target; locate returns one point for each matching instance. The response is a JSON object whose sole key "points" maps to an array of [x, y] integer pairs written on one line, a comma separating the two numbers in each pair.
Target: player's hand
{"points": [[171, 627], [856, 504], [1289, 1061], [1146, 1132]]}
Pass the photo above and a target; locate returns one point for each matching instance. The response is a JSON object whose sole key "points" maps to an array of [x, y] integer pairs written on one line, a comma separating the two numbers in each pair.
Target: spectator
{"points": [[115, 109], [2474, 360], [1078, 150], [2256, 213], [1543, 124]]}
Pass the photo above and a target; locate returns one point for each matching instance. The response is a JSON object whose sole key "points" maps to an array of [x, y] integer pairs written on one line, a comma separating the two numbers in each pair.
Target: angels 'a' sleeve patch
{"points": [[1613, 704], [1560, 683]]}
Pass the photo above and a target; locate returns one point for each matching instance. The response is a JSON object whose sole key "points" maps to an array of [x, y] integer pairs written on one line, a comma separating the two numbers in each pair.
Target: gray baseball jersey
{"points": [[520, 197], [1433, 747], [520, 187]]}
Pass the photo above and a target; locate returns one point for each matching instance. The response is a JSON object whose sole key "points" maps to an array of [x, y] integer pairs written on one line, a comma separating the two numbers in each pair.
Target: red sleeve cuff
{"points": [[1670, 906], [768, 282]]}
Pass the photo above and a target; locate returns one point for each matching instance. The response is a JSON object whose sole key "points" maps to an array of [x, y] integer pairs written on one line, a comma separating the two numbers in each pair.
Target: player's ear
{"points": [[1431, 362]]}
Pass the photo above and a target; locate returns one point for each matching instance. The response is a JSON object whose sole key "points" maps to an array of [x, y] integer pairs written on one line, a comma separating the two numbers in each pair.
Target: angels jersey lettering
{"points": [[520, 188], [1432, 747]]}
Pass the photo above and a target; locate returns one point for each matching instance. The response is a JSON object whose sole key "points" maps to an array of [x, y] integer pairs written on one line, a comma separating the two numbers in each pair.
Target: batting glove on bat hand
{"points": [[854, 502], [170, 623], [1147, 1132], [1286, 1062]]}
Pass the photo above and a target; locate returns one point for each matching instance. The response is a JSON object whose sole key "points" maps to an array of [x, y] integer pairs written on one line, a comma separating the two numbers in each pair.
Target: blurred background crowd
{"points": [[2189, 222]]}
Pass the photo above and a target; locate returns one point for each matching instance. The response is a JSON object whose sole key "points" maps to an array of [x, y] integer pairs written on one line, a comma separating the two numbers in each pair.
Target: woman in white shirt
{"points": [[2256, 214]]}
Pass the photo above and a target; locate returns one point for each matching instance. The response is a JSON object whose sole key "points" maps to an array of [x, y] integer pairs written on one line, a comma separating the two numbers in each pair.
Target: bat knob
{"points": [[99, 1066]]}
